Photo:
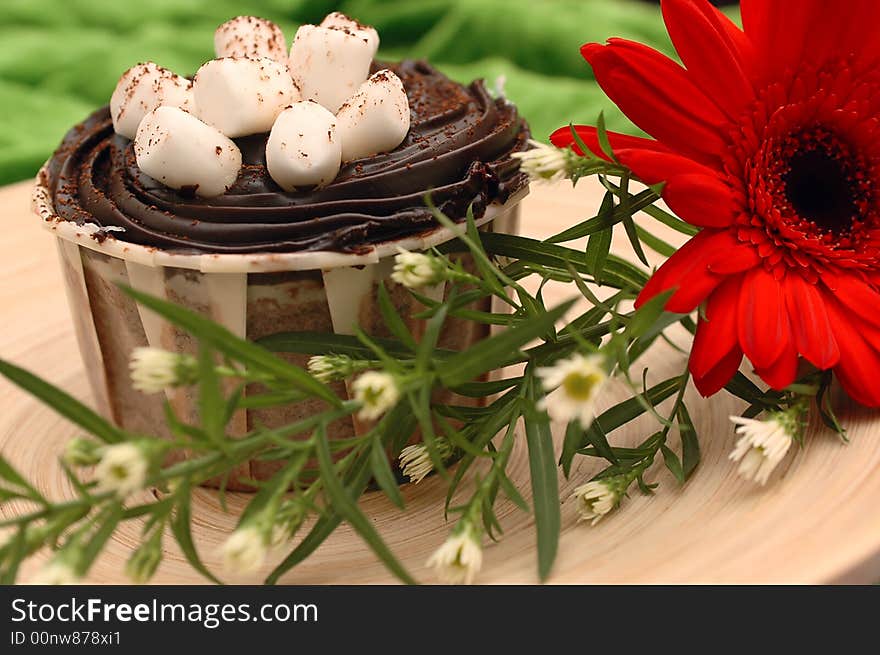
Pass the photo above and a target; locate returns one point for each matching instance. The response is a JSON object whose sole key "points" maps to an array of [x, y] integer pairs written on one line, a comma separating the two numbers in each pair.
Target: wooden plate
{"points": [[817, 521]]}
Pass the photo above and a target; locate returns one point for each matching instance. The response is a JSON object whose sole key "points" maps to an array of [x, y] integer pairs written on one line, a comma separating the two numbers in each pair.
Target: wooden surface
{"points": [[818, 520]]}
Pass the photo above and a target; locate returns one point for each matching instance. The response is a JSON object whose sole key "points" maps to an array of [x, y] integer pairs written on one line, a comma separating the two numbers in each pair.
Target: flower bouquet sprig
{"points": [[550, 372], [770, 272]]}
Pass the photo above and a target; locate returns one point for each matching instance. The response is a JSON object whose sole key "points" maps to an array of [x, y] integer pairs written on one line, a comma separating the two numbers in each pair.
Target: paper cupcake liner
{"points": [[252, 295]]}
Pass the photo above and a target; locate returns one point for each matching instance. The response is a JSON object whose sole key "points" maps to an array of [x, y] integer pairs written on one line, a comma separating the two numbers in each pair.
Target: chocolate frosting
{"points": [[458, 149]]}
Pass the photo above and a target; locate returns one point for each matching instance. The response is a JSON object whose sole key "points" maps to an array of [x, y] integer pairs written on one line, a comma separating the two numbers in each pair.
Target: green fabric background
{"points": [[60, 59]]}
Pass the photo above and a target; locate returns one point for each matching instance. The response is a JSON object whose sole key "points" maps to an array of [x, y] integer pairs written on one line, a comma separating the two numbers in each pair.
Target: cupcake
{"points": [[270, 193]]}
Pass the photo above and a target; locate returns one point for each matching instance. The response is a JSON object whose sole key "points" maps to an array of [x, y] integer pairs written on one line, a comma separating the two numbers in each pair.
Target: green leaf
{"points": [[383, 475], [596, 437], [346, 507], [428, 343], [392, 318], [545, 486], [182, 530], [323, 343], [655, 243], [63, 403], [672, 463], [602, 136], [647, 315], [232, 346], [618, 272], [640, 202], [497, 350], [690, 443], [212, 409], [670, 221], [8, 473], [570, 445], [511, 492], [598, 248], [634, 407], [107, 522]]}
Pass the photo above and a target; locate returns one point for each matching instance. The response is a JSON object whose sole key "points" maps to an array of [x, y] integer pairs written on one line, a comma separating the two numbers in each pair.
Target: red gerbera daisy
{"points": [[769, 140]]}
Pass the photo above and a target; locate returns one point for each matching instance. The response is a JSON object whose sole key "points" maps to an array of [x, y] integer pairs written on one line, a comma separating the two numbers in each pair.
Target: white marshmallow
{"points": [[243, 96], [338, 20], [303, 148], [141, 89], [177, 149], [328, 64], [375, 119], [249, 36]]}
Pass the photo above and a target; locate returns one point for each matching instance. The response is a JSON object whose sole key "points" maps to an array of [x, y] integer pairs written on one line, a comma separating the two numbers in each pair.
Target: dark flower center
{"points": [[821, 189]]}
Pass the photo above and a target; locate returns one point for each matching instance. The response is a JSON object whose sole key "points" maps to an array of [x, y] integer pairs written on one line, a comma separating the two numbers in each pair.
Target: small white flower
{"points": [[545, 163], [123, 469], [56, 572], [415, 461], [153, 370], [329, 368], [762, 445], [377, 391], [460, 557], [573, 385], [415, 270], [244, 551], [595, 499]]}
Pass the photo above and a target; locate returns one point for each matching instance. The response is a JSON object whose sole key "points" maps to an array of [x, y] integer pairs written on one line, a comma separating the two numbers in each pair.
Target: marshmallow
{"points": [[243, 96], [177, 149], [249, 36], [141, 89], [328, 64], [303, 149], [338, 20], [375, 119]]}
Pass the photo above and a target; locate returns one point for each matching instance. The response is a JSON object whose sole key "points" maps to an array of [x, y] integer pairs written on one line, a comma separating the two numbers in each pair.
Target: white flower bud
{"points": [[123, 469], [244, 551], [377, 391], [460, 557], [415, 270], [595, 499], [153, 370], [573, 385], [762, 444], [56, 572]]}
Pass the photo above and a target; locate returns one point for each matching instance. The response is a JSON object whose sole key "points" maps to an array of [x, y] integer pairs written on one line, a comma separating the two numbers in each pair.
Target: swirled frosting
{"points": [[458, 149]]}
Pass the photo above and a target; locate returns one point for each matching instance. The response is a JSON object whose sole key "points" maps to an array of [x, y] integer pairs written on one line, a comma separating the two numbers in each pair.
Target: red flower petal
{"points": [[689, 270], [764, 331], [714, 380], [712, 49], [783, 371], [658, 96], [563, 138], [859, 362], [856, 294], [716, 333], [789, 33], [810, 327], [692, 190]]}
